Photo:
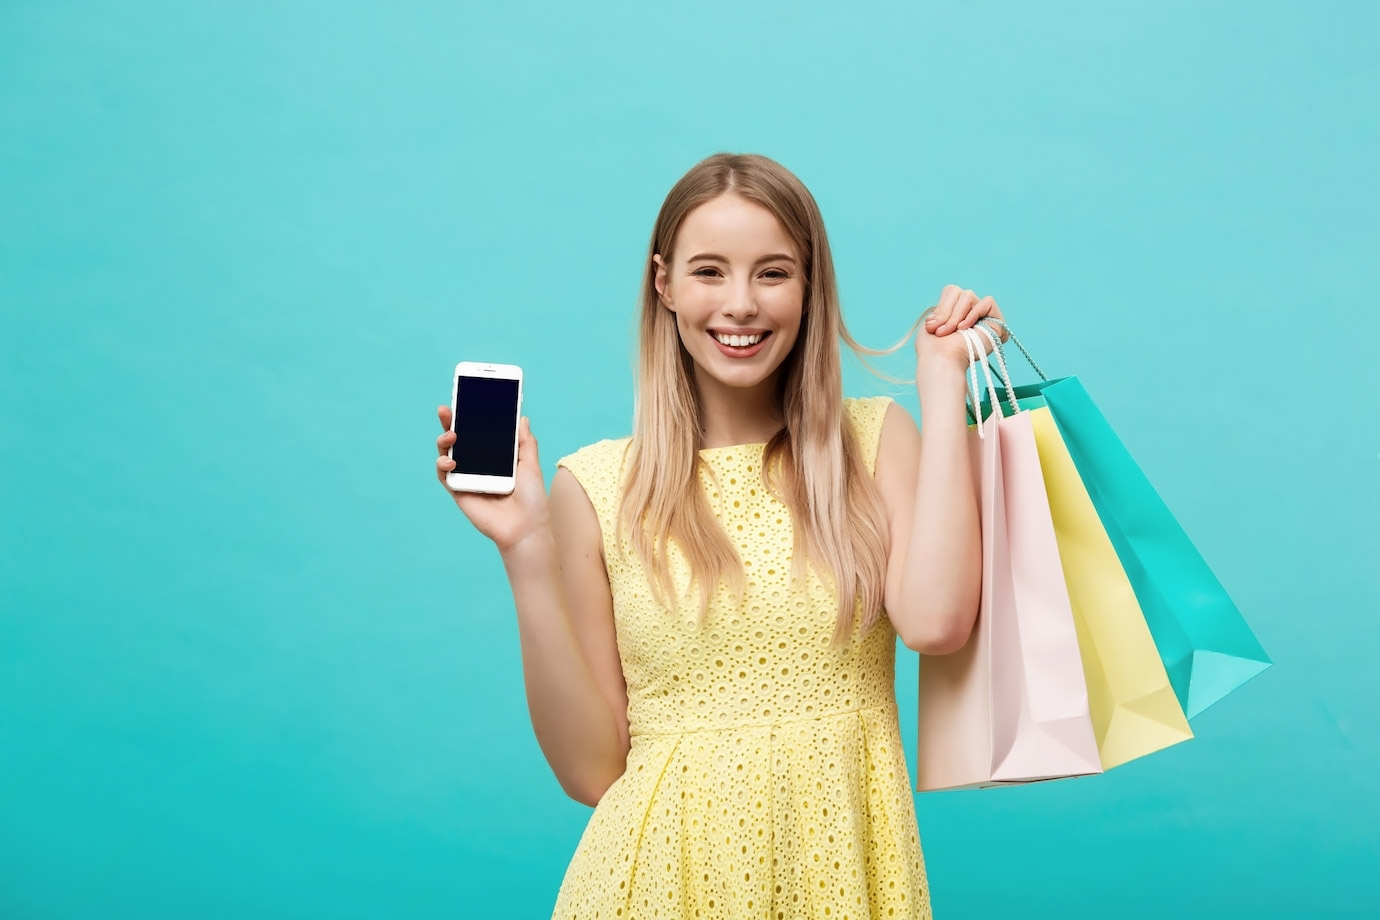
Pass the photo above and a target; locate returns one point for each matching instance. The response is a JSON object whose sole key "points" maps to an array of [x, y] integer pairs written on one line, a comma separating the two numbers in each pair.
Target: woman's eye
{"points": [[775, 273], [705, 272]]}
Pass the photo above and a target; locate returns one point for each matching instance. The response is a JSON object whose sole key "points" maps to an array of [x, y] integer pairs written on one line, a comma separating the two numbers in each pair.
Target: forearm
{"points": [[942, 576], [572, 719]]}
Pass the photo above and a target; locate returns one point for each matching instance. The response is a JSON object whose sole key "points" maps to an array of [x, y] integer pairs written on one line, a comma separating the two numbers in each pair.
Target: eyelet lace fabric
{"points": [[766, 776]]}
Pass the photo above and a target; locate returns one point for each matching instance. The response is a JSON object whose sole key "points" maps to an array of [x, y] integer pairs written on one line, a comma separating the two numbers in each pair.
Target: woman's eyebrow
{"points": [[714, 257]]}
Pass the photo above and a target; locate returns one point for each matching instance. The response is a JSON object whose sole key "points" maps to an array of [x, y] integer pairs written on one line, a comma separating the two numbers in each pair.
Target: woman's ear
{"points": [[661, 280]]}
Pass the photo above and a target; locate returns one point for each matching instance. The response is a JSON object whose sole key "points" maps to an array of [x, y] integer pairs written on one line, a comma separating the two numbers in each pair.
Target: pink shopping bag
{"points": [[1011, 706]]}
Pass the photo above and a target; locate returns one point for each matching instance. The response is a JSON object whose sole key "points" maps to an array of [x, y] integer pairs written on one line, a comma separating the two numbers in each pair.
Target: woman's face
{"points": [[737, 289]]}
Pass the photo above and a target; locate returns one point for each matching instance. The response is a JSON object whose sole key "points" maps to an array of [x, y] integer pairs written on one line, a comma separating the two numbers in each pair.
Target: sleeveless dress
{"points": [[766, 776]]}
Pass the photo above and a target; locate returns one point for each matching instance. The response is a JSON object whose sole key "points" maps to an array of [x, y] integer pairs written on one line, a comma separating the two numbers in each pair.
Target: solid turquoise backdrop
{"points": [[253, 661]]}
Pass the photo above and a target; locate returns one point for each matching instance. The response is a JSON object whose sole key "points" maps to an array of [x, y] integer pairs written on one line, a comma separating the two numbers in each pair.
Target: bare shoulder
{"points": [[574, 521], [898, 460], [899, 445], [584, 491]]}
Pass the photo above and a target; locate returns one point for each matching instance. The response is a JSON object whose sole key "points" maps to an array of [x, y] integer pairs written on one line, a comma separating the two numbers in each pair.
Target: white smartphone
{"points": [[485, 406]]}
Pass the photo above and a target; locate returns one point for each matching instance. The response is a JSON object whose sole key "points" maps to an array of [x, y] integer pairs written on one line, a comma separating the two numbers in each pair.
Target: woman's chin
{"points": [[743, 378]]}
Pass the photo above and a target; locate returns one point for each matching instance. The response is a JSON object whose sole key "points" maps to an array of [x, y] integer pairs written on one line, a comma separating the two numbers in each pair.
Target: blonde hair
{"points": [[814, 465]]}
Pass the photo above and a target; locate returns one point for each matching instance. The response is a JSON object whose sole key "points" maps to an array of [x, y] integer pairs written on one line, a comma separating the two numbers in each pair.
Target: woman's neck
{"points": [[737, 415]]}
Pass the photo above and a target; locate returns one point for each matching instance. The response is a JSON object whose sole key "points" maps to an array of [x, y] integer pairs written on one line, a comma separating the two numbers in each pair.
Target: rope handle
{"points": [[976, 354], [992, 321], [1005, 375], [970, 383]]}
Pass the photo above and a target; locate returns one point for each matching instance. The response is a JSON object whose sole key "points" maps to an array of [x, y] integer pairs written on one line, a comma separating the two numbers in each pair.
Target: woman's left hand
{"points": [[936, 346]]}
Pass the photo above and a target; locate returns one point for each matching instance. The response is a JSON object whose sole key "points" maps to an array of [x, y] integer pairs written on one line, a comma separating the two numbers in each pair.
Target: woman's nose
{"points": [[741, 302]]}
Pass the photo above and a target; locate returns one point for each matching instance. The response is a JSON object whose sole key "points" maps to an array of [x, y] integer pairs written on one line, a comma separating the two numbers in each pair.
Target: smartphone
{"points": [[485, 406]]}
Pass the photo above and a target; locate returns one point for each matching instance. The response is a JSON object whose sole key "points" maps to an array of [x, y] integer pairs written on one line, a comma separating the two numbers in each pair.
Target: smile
{"points": [[739, 340], [740, 346]]}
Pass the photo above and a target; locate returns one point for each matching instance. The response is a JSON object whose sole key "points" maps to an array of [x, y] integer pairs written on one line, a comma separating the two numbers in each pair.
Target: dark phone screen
{"points": [[486, 417]]}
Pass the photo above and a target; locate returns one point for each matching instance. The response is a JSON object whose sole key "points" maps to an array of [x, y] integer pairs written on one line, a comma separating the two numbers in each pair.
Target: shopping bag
{"points": [[1133, 705], [1205, 645], [1011, 706], [1134, 708]]}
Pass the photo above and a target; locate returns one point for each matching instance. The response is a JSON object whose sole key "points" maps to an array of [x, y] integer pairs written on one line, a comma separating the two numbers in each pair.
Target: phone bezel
{"points": [[477, 482]]}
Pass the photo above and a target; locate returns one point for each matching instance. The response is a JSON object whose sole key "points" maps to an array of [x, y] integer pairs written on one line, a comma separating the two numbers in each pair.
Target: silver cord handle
{"points": [[1005, 374], [993, 321], [976, 354], [970, 381]]}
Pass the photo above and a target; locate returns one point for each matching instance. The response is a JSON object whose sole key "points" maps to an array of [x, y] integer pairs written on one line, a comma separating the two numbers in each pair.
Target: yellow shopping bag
{"points": [[1134, 709]]}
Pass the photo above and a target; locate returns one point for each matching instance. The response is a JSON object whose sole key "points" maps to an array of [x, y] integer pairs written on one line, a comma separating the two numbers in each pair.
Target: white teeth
{"points": [[739, 341]]}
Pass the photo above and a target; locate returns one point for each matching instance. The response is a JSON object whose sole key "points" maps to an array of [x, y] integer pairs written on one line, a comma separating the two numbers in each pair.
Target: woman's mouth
{"points": [[740, 346]]}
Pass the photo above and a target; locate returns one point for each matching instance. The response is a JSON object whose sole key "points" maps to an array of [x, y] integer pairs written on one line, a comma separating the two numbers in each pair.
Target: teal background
{"points": [[253, 661]]}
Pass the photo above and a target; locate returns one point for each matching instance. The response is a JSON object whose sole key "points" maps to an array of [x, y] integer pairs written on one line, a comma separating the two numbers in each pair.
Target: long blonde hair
{"points": [[814, 465]]}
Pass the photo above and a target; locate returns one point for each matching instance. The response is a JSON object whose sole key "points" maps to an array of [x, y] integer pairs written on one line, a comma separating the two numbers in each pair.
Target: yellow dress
{"points": [[766, 776]]}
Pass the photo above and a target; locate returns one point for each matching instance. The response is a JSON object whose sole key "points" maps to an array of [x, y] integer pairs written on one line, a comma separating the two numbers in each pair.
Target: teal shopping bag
{"points": [[1207, 648]]}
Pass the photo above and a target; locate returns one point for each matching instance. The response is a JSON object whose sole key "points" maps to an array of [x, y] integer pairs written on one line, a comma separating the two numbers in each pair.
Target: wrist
{"points": [[946, 381], [531, 547]]}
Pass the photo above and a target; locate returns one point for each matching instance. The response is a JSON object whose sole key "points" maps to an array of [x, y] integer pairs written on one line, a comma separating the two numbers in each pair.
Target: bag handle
{"points": [[970, 383], [1004, 375], [976, 359], [992, 321], [976, 353]]}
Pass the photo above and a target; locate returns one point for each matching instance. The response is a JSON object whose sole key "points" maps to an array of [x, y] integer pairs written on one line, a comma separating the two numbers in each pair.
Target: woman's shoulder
{"points": [[867, 412], [856, 403], [604, 455]]}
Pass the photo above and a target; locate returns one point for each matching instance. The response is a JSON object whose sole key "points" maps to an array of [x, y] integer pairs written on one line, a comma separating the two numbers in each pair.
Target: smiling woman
{"points": [[709, 607], [739, 295]]}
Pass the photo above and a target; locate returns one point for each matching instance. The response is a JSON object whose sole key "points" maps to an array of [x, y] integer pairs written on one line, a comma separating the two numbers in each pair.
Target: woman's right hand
{"points": [[505, 519]]}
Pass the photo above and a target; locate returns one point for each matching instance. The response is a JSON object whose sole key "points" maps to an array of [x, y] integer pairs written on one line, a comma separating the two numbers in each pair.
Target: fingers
{"points": [[985, 339], [527, 444], [954, 304], [1001, 330], [935, 314], [939, 313], [445, 442], [961, 308], [998, 328], [975, 312]]}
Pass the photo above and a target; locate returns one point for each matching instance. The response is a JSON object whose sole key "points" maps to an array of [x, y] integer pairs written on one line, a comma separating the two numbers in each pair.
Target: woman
{"points": [[692, 671]]}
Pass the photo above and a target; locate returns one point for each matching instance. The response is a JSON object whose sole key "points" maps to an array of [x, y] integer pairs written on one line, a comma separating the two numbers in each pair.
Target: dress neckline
{"points": [[723, 447]]}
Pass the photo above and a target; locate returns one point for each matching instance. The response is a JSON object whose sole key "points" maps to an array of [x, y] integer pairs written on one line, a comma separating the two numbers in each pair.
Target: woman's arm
{"points": [[553, 553], [934, 567], [576, 695]]}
